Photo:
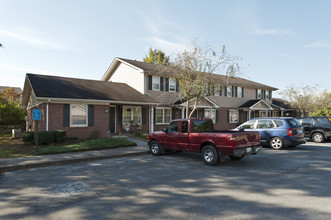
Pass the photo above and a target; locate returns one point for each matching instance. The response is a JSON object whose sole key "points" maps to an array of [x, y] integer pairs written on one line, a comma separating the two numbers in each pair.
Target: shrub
{"points": [[27, 137], [45, 137], [95, 134], [60, 135]]}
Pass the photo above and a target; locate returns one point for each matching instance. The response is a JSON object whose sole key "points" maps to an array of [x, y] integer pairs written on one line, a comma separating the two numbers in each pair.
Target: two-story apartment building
{"points": [[134, 96]]}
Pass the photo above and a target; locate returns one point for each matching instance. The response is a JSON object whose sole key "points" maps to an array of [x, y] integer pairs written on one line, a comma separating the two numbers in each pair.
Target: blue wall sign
{"points": [[36, 114]]}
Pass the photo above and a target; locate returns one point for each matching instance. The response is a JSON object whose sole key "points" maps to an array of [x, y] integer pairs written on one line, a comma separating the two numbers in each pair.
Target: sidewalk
{"points": [[19, 163]]}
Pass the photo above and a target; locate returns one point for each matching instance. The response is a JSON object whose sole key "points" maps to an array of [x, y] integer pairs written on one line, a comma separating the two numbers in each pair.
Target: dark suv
{"points": [[317, 128]]}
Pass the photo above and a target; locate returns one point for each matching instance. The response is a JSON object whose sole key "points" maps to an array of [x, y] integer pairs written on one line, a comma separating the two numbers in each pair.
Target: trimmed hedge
{"points": [[44, 137]]}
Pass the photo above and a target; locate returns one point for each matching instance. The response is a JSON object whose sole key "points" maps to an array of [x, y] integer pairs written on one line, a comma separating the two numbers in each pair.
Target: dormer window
{"points": [[172, 85], [156, 83]]}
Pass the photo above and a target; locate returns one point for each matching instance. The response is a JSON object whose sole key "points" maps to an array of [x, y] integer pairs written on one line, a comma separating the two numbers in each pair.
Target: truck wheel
{"points": [[276, 143], [236, 158], [318, 137], [155, 148], [210, 155]]}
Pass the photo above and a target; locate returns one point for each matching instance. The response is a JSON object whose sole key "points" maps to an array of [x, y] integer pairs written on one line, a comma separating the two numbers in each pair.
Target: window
{"points": [[156, 83], [306, 121], [267, 94], [163, 115], [173, 127], [248, 125], [233, 116], [203, 125], [259, 94], [172, 85], [275, 113], [262, 114], [279, 123], [218, 90], [184, 127], [264, 124], [240, 92], [229, 91], [131, 114], [210, 113], [78, 115]]}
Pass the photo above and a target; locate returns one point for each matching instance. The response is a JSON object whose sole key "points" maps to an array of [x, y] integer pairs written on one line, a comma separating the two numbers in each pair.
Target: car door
{"points": [[265, 127], [171, 137], [182, 140], [308, 125]]}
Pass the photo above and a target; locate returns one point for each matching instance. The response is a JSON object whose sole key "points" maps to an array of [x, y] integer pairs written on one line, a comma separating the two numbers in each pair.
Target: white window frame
{"points": [[232, 119], [212, 115], [163, 116], [240, 94], [172, 82], [125, 107], [156, 81], [229, 91], [267, 94], [259, 94], [71, 115]]}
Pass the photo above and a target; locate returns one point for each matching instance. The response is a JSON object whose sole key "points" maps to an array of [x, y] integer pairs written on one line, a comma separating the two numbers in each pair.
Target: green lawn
{"points": [[98, 144]]}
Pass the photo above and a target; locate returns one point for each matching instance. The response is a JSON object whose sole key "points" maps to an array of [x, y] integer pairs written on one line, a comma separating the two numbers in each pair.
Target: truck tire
{"points": [[210, 155], [155, 148], [276, 143], [318, 137], [236, 158]]}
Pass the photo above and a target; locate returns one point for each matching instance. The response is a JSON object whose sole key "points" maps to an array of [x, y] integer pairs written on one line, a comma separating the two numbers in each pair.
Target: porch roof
{"points": [[256, 104]]}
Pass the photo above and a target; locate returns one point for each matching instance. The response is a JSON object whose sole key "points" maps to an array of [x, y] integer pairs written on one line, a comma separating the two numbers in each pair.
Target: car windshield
{"points": [[294, 123], [203, 125]]}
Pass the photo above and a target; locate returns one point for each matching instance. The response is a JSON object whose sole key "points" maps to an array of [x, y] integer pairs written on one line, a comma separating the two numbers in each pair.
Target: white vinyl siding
{"points": [[129, 75]]}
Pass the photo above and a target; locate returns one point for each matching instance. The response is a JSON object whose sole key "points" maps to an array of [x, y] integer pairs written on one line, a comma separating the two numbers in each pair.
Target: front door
{"points": [[112, 121]]}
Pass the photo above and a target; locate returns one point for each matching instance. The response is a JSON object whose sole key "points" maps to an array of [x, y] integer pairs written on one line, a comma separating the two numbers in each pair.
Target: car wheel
{"points": [[276, 143], [210, 155], [155, 148], [236, 158], [318, 137]]}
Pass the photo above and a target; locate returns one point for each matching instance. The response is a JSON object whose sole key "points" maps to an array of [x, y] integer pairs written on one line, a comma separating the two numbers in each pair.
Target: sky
{"points": [[282, 43]]}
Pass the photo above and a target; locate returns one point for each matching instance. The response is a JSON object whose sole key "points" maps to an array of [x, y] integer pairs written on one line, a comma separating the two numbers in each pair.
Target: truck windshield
{"points": [[203, 125]]}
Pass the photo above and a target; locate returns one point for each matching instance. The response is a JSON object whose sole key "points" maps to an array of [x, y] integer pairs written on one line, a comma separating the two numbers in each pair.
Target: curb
{"points": [[63, 162]]}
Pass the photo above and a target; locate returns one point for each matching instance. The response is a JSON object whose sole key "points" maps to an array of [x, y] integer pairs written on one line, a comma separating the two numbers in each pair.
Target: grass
{"points": [[98, 144]]}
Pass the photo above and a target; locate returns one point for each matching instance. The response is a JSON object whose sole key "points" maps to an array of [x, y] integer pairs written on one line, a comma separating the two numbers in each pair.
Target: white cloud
{"points": [[37, 38], [273, 32], [318, 44]]}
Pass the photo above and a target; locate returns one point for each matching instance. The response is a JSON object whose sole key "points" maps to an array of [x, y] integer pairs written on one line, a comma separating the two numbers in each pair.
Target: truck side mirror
{"points": [[165, 130]]}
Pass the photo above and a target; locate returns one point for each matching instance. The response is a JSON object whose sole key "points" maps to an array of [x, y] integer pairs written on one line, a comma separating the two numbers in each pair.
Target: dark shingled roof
{"points": [[73, 88], [281, 103], [157, 69], [249, 103]]}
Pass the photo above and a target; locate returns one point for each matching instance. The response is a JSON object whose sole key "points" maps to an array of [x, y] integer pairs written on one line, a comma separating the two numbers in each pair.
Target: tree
{"points": [[195, 70], [323, 105], [10, 106], [156, 57], [302, 99]]}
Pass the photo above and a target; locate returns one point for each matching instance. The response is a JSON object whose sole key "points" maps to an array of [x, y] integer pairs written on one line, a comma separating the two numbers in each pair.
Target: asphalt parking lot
{"points": [[285, 184]]}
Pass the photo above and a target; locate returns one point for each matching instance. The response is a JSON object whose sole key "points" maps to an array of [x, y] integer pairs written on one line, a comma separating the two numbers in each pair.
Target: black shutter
{"points": [[173, 113], [226, 91], [243, 92], [233, 91], [150, 82], [263, 93], [143, 112], [66, 115], [177, 85], [228, 116], [167, 85], [270, 94], [120, 112], [217, 116], [236, 88], [90, 115], [154, 116], [161, 83], [220, 90]]}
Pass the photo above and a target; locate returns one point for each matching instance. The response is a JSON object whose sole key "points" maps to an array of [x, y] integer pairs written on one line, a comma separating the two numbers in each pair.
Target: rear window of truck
{"points": [[203, 125]]}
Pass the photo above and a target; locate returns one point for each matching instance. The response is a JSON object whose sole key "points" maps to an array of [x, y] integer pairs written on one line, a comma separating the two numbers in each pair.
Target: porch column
{"points": [[183, 113], [249, 115], [151, 126]]}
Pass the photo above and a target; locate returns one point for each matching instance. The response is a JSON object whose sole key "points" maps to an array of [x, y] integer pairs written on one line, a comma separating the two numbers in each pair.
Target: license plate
{"points": [[300, 131]]}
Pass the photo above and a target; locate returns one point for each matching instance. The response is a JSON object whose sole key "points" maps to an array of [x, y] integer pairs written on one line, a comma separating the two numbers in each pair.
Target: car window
{"points": [[279, 123], [248, 125], [323, 122], [203, 125], [306, 121], [184, 126], [173, 127], [264, 124], [294, 123]]}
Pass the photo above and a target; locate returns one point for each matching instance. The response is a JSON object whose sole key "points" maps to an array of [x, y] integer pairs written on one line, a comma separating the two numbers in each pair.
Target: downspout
{"points": [[47, 113], [152, 119]]}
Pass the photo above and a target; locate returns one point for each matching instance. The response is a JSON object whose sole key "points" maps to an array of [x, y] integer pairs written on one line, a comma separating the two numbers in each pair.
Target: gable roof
{"points": [[48, 87], [250, 104], [281, 103], [157, 69]]}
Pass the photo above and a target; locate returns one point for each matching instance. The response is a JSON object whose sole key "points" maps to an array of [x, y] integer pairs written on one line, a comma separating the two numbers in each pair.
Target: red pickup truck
{"points": [[198, 135]]}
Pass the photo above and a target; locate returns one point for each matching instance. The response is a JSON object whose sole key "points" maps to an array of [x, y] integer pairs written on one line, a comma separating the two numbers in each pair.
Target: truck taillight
{"points": [[148, 137], [232, 141], [290, 132]]}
